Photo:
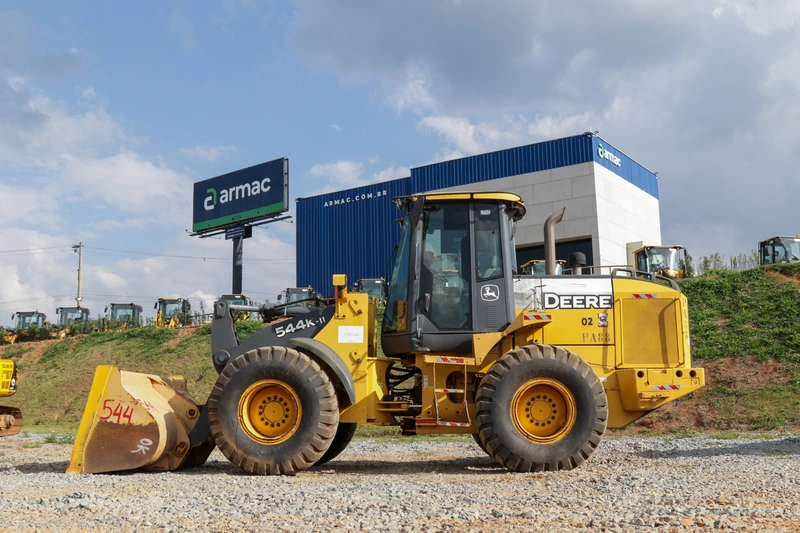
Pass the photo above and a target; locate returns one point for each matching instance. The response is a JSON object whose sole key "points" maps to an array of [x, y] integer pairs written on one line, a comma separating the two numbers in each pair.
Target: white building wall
{"points": [[599, 205], [625, 213]]}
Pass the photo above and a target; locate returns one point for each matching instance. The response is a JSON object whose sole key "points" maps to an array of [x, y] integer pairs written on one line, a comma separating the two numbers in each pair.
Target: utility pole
{"points": [[79, 249], [237, 264]]}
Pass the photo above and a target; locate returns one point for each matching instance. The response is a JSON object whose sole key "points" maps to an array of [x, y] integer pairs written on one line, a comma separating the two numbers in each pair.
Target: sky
{"points": [[109, 112]]}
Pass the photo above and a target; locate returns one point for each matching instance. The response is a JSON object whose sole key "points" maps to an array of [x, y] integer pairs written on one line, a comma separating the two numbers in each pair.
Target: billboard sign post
{"points": [[233, 203]]}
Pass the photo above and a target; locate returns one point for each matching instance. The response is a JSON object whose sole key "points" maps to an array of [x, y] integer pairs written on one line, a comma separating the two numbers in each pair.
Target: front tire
{"points": [[541, 408], [273, 411], [344, 434]]}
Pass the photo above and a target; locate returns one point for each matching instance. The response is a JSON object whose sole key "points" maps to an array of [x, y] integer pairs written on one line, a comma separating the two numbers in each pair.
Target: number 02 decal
{"points": [[586, 321]]}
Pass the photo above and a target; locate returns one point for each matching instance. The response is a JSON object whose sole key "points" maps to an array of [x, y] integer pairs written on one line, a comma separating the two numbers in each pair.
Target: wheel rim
{"points": [[543, 410], [269, 411]]}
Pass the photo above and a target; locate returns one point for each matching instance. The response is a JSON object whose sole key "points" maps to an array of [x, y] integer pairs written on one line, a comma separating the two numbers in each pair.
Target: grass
{"points": [[753, 312], [746, 313]]}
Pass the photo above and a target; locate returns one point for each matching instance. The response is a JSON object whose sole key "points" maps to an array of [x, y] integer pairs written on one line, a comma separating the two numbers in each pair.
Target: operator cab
{"points": [[27, 319], [669, 261], [130, 314], [375, 288], [781, 249], [72, 315], [451, 276]]}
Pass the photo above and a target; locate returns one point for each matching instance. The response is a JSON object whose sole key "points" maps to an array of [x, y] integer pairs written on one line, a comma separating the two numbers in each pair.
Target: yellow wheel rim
{"points": [[543, 410], [269, 411]]}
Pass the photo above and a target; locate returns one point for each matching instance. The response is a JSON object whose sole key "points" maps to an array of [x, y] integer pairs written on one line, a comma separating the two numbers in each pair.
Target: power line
{"points": [[190, 257], [33, 249]]}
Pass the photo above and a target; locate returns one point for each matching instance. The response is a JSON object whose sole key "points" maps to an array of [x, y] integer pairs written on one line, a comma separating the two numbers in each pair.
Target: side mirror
{"points": [[106, 310], [155, 306]]}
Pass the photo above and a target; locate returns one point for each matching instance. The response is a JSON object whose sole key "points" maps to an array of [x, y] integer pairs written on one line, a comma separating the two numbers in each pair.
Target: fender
{"points": [[329, 360]]}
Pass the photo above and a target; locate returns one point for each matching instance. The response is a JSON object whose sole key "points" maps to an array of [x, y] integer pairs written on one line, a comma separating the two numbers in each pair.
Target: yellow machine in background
{"points": [[535, 368], [10, 417], [780, 249], [123, 316], [536, 267], [172, 313], [69, 319], [662, 260]]}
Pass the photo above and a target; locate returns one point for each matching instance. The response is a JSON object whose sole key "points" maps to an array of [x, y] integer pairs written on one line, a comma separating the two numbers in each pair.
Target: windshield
{"points": [[122, 315], [234, 299], [395, 319], [663, 259], [372, 287], [26, 321], [71, 315], [787, 250], [294, 295], [170, 309]]}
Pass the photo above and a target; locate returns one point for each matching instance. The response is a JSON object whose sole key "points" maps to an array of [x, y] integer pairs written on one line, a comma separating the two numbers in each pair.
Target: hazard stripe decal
{"points": [[536, 318], [666, 387], [452, 360], [644, 296]]}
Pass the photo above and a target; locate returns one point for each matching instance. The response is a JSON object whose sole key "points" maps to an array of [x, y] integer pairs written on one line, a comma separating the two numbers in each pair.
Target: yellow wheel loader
{"points": [[536, 267], [172, 313], [70, 319], [663, 260], [535, 368], [780, 249], [10, 417], [122, 317]]}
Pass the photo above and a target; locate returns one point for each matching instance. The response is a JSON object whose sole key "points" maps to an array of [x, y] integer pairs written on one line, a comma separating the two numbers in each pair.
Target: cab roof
{"points": [[513, 200]]}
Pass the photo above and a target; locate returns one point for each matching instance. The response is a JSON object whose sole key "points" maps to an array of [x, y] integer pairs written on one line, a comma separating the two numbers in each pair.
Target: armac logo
{"points": [[235, 193], [605, 154], [354, 198]]}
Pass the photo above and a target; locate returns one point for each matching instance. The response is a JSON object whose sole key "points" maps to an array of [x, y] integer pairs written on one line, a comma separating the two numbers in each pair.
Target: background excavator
{"points": [[535, 369], [172, 313]]}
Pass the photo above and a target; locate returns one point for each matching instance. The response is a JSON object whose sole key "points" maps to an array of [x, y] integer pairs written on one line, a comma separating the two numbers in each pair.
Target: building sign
{"points": [[355, 198], [605, 154], [244, 195]]}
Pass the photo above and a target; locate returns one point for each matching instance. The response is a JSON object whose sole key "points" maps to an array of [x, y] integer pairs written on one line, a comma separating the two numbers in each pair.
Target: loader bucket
{"points": [[136, 421]]}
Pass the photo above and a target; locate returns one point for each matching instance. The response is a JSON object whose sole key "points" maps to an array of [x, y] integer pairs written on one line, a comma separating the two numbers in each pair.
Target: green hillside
{"points": [[744, 332]]}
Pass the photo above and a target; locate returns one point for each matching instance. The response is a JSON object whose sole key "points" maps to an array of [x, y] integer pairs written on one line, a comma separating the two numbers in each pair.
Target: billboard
{"points": [[241, 196]]}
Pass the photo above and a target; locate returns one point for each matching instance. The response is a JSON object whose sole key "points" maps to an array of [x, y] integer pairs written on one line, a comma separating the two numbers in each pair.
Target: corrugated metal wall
{"points": [[521, 160], [350, 232], [354, 232]]}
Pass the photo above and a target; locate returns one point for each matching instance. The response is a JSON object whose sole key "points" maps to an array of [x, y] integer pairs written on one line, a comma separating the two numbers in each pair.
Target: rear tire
{"points": [[273, 411], [340, 441], [541, 408]]}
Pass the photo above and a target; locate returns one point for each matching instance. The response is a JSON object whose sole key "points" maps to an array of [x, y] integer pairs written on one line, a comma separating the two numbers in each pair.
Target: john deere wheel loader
{"points": [[534, 367]]}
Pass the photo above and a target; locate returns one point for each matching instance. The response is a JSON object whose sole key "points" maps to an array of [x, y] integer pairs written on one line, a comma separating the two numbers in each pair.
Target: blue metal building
{"points": [[354, 231]]}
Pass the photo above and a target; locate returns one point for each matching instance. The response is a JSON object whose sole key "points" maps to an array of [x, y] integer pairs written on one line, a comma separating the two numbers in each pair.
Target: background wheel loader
{"points": [[69, 319], [663, 260], [122, 316], [780, 249], [534, 368], [172, 313], [10, 417]]}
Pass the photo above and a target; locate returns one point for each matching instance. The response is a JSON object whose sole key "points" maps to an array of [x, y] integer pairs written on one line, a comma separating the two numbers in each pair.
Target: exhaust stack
{"points": [[550, 241]]}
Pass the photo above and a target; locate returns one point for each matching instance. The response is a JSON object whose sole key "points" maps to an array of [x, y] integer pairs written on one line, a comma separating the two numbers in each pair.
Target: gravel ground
{"points": [[420, 485]]}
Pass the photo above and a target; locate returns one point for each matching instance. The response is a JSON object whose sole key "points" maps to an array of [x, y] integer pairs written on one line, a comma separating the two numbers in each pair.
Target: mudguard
{"points": [[329, 360]]}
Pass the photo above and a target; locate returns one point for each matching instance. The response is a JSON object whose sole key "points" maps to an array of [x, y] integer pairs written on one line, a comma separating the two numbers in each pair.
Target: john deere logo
{"points": [[235, 193], [605, 154], [490, 293]]}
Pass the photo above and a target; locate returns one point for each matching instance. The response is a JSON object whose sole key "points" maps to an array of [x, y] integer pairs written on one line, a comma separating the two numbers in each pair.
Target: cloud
{"points": [[183, 28], [337, 128], [707, 93], [348, 174], [207, 153]]}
